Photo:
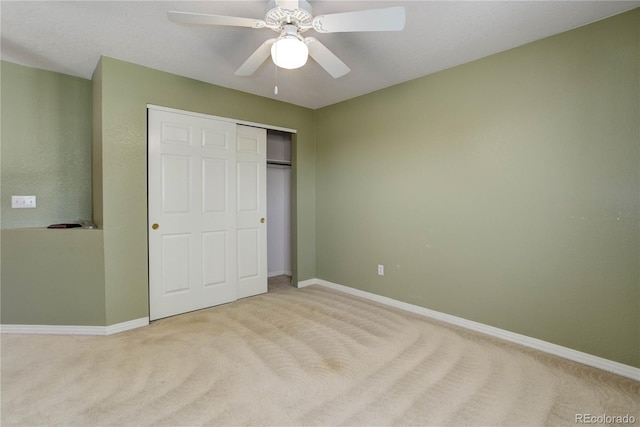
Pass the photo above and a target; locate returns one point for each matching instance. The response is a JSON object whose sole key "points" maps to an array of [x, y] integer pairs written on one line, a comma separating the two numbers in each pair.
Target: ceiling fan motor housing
{"points": [[277, 17]]}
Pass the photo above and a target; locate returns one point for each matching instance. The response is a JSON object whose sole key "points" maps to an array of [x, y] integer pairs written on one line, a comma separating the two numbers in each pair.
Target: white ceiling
{"points": [[70, 36]]}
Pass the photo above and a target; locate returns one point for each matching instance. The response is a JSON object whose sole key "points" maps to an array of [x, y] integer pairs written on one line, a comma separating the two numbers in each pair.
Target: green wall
{"points": [[124, 91], [504, 191], [46, 146], [52, 277]]}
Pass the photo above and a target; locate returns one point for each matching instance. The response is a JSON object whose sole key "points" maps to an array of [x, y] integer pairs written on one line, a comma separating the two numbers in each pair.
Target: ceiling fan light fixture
{"points": [[289, 52]]}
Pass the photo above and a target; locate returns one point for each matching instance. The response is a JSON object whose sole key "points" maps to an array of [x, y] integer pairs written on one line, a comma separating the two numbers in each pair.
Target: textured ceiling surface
{"points": [[70, 36]]}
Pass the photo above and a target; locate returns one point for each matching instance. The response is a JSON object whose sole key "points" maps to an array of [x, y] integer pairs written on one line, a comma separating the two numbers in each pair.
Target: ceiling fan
{"points": [[291, 18]]}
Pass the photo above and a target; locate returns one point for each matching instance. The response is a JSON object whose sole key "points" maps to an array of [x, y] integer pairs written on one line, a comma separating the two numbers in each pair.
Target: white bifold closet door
{"points": [[207, 212]]}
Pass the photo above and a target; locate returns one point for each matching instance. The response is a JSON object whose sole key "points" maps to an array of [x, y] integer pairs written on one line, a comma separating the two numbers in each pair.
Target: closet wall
{"points": [[278, 203]]}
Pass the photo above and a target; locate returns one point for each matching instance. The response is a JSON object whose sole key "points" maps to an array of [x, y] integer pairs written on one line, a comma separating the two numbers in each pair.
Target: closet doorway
{"points": [[279, 209]]}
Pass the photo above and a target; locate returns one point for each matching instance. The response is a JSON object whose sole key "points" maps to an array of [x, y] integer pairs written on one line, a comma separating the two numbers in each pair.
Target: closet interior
{"points": [[278, 209]]}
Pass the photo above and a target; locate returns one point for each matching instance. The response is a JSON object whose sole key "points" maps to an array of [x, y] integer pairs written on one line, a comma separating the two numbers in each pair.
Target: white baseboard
{"points": [[127, 326], [310, 282], [547, 347], [74, 330]]}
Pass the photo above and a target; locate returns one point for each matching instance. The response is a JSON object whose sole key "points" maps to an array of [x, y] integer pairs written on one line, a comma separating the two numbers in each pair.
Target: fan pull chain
{"points": [[275, 89]]}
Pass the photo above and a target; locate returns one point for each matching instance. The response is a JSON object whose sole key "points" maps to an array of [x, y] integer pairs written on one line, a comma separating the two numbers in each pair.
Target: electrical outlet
{"points": [[21, 202], [380, 270]]}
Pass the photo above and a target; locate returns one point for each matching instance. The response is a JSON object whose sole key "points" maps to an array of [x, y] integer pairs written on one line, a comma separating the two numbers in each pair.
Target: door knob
{"points": [[155, 226], [262, 220]]}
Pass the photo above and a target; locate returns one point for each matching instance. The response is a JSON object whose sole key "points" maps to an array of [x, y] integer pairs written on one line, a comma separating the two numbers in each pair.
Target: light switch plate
{"points": [[21, 202]]}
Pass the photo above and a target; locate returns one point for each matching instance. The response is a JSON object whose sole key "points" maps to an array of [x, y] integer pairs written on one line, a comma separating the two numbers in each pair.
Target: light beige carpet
{"points": [[312, 356]]}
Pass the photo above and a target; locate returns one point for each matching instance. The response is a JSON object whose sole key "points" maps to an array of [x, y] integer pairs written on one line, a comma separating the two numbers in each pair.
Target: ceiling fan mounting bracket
{"points": [[277, 17]]}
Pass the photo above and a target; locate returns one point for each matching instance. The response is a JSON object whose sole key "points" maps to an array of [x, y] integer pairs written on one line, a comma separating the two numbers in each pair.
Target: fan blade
{"points": [[327, 60], [287, 4], [387, 19], [256, 59], [205, 19]]}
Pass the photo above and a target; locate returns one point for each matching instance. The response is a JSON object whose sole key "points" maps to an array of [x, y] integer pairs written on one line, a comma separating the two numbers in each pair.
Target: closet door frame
{"points": [[152, 253]]}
